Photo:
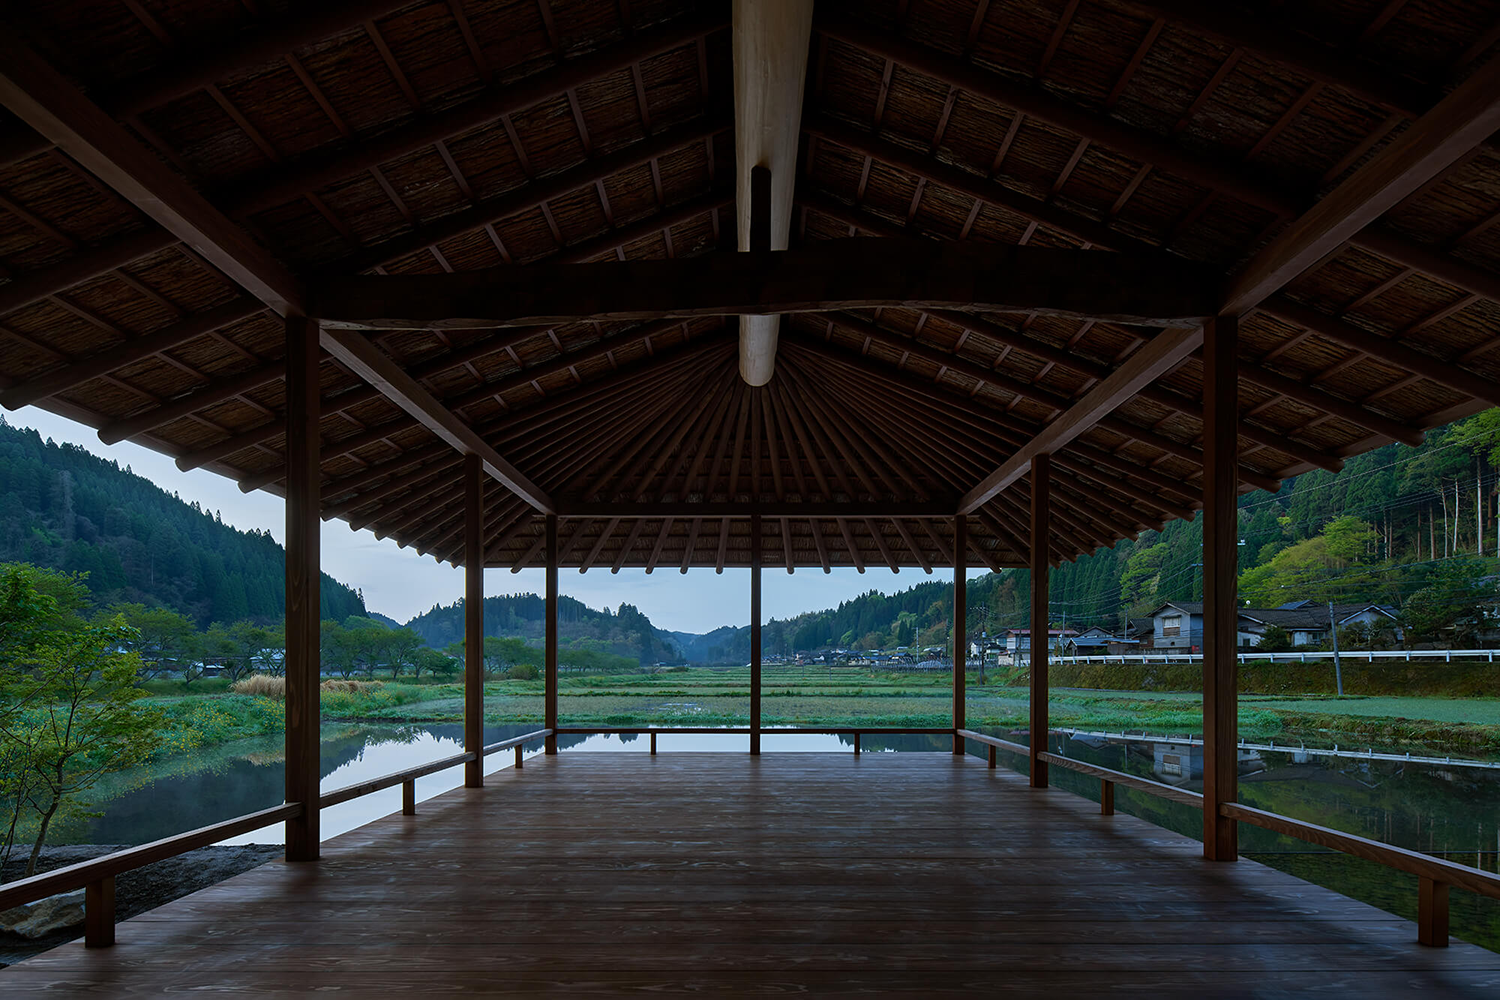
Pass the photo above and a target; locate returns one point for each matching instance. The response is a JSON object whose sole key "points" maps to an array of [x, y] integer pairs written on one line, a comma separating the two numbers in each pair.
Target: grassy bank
{"points": [[1162, 702]]}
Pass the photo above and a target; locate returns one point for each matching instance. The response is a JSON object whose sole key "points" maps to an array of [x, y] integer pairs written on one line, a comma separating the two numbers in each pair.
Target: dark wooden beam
{"points": [[1462, 120], [1041, 532], [288, 182], [303, 663], [832, 275], [958, 632], [131, 351], [27, 287], [1380, 348], [44, 99], [1220, 602], [1216, 174], [381, 371], [1158, 356], [756, 543], [204, 60], [549, 641], [531, 196], [750, 508], [1261, 435], [1283, 43], [473, 620]]}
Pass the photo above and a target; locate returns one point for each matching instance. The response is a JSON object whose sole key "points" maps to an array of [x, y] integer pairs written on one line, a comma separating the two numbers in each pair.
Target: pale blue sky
{"points": [[401, 584]]}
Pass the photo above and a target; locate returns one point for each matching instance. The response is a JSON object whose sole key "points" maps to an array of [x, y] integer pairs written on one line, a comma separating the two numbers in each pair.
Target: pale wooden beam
{"points": [[770, 40], [1156, 358], [384, 373]]}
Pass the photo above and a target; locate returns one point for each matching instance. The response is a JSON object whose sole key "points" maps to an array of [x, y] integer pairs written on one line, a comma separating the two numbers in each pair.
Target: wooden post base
{"points": [[520, 761], [653, 744], [1106, 797], [409, 798], [99, 913], [1432, 913], [992, 759], [856, 744]]}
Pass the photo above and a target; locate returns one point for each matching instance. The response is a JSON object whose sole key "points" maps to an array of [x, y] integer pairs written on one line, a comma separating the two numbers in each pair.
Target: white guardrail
{"points": [[1297, 656]]}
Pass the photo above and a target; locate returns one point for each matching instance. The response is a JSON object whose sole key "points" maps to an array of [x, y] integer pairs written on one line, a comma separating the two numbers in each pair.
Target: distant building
{"points": [[1018, 641], [1179, 624]]}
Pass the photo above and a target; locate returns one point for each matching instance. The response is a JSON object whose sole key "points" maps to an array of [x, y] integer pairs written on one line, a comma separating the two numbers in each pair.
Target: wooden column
{"points": [[303, 620], [755, 560], [474, 620], [1041, 531], [960, 638], [550, 697], [1220, 599]]}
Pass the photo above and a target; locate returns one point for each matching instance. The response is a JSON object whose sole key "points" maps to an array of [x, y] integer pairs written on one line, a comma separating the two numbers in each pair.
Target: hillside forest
{"points": [[63, 508]]}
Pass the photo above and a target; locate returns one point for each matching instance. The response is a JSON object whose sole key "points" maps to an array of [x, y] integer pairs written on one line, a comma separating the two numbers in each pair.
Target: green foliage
{"points": [[65, 509], [1322, 568], [78, 720], [1274, 639], [1456, 605]]}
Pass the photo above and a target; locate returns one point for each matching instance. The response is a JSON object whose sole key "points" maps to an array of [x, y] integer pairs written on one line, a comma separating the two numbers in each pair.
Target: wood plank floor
{"points": [[917, 874]]}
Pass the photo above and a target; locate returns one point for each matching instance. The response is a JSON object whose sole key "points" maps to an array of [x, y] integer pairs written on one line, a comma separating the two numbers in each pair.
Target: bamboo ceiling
{"points": [[406, 138]]}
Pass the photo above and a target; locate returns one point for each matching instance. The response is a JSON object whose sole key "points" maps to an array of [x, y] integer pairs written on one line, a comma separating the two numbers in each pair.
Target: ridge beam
{"points": [[770, 42]]}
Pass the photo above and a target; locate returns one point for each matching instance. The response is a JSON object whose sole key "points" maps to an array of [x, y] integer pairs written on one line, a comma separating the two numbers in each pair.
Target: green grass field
{"points": [[823, 696]]}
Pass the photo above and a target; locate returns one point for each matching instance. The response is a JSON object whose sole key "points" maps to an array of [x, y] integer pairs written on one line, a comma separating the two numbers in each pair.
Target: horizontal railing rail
{"points": [[1108, 777], [1296, 656], [360, 789], [746, 731], [1435, 875], [97, 875], [80, 875]]}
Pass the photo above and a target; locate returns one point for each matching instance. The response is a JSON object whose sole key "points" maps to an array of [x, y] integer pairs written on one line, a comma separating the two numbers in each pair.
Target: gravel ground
{"points": [[136, 891]]}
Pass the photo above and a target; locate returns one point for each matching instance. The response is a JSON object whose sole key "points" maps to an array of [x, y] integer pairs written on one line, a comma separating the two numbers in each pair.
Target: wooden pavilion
{"points": [[905, 283]]}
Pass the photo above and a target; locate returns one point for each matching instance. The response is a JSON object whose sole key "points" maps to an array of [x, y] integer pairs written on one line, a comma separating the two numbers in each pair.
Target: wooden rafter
{"points": [[1461, 121], [378, 369]]}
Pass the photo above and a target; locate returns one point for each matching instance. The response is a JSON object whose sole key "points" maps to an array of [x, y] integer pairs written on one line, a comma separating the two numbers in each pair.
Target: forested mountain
{"points": [[626, 632], [64, 508]]}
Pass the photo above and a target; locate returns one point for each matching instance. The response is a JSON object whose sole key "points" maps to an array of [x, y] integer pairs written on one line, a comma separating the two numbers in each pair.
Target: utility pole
{"points": [[1338, 670]]}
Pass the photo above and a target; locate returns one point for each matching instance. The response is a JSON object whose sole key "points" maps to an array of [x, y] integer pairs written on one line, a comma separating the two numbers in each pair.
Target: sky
{"points": [[401, 584]]}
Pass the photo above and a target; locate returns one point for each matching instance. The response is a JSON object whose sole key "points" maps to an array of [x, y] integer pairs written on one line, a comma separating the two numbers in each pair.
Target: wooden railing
{"points": [[1435, 875], [96, 877], [854, 731]]}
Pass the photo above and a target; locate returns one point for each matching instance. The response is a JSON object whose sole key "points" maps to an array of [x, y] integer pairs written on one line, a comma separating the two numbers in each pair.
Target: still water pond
{"points": [[1450, 811]]}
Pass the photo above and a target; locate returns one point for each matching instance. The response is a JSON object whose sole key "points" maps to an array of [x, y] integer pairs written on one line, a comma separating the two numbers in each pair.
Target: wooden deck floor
{"points": [[589, 874]]}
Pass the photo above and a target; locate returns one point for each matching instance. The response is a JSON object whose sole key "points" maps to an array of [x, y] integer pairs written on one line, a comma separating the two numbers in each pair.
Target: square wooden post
{"points": [[550, 696], [755, 560], [960, 611], [1220, 597], [303, 619], [1041, 532], [473, 621]]}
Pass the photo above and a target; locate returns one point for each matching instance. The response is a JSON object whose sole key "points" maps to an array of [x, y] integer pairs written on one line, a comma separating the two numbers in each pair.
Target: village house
{"points": [[1179, 624]]}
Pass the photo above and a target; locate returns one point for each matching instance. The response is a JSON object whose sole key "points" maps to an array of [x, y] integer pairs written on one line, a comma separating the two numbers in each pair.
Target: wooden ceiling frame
{"points": [[1464, 119], [279, 185], [941, 437], [1226, 177], [1100, 234], [1341, 332], [459, 401], [826, 275]]}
